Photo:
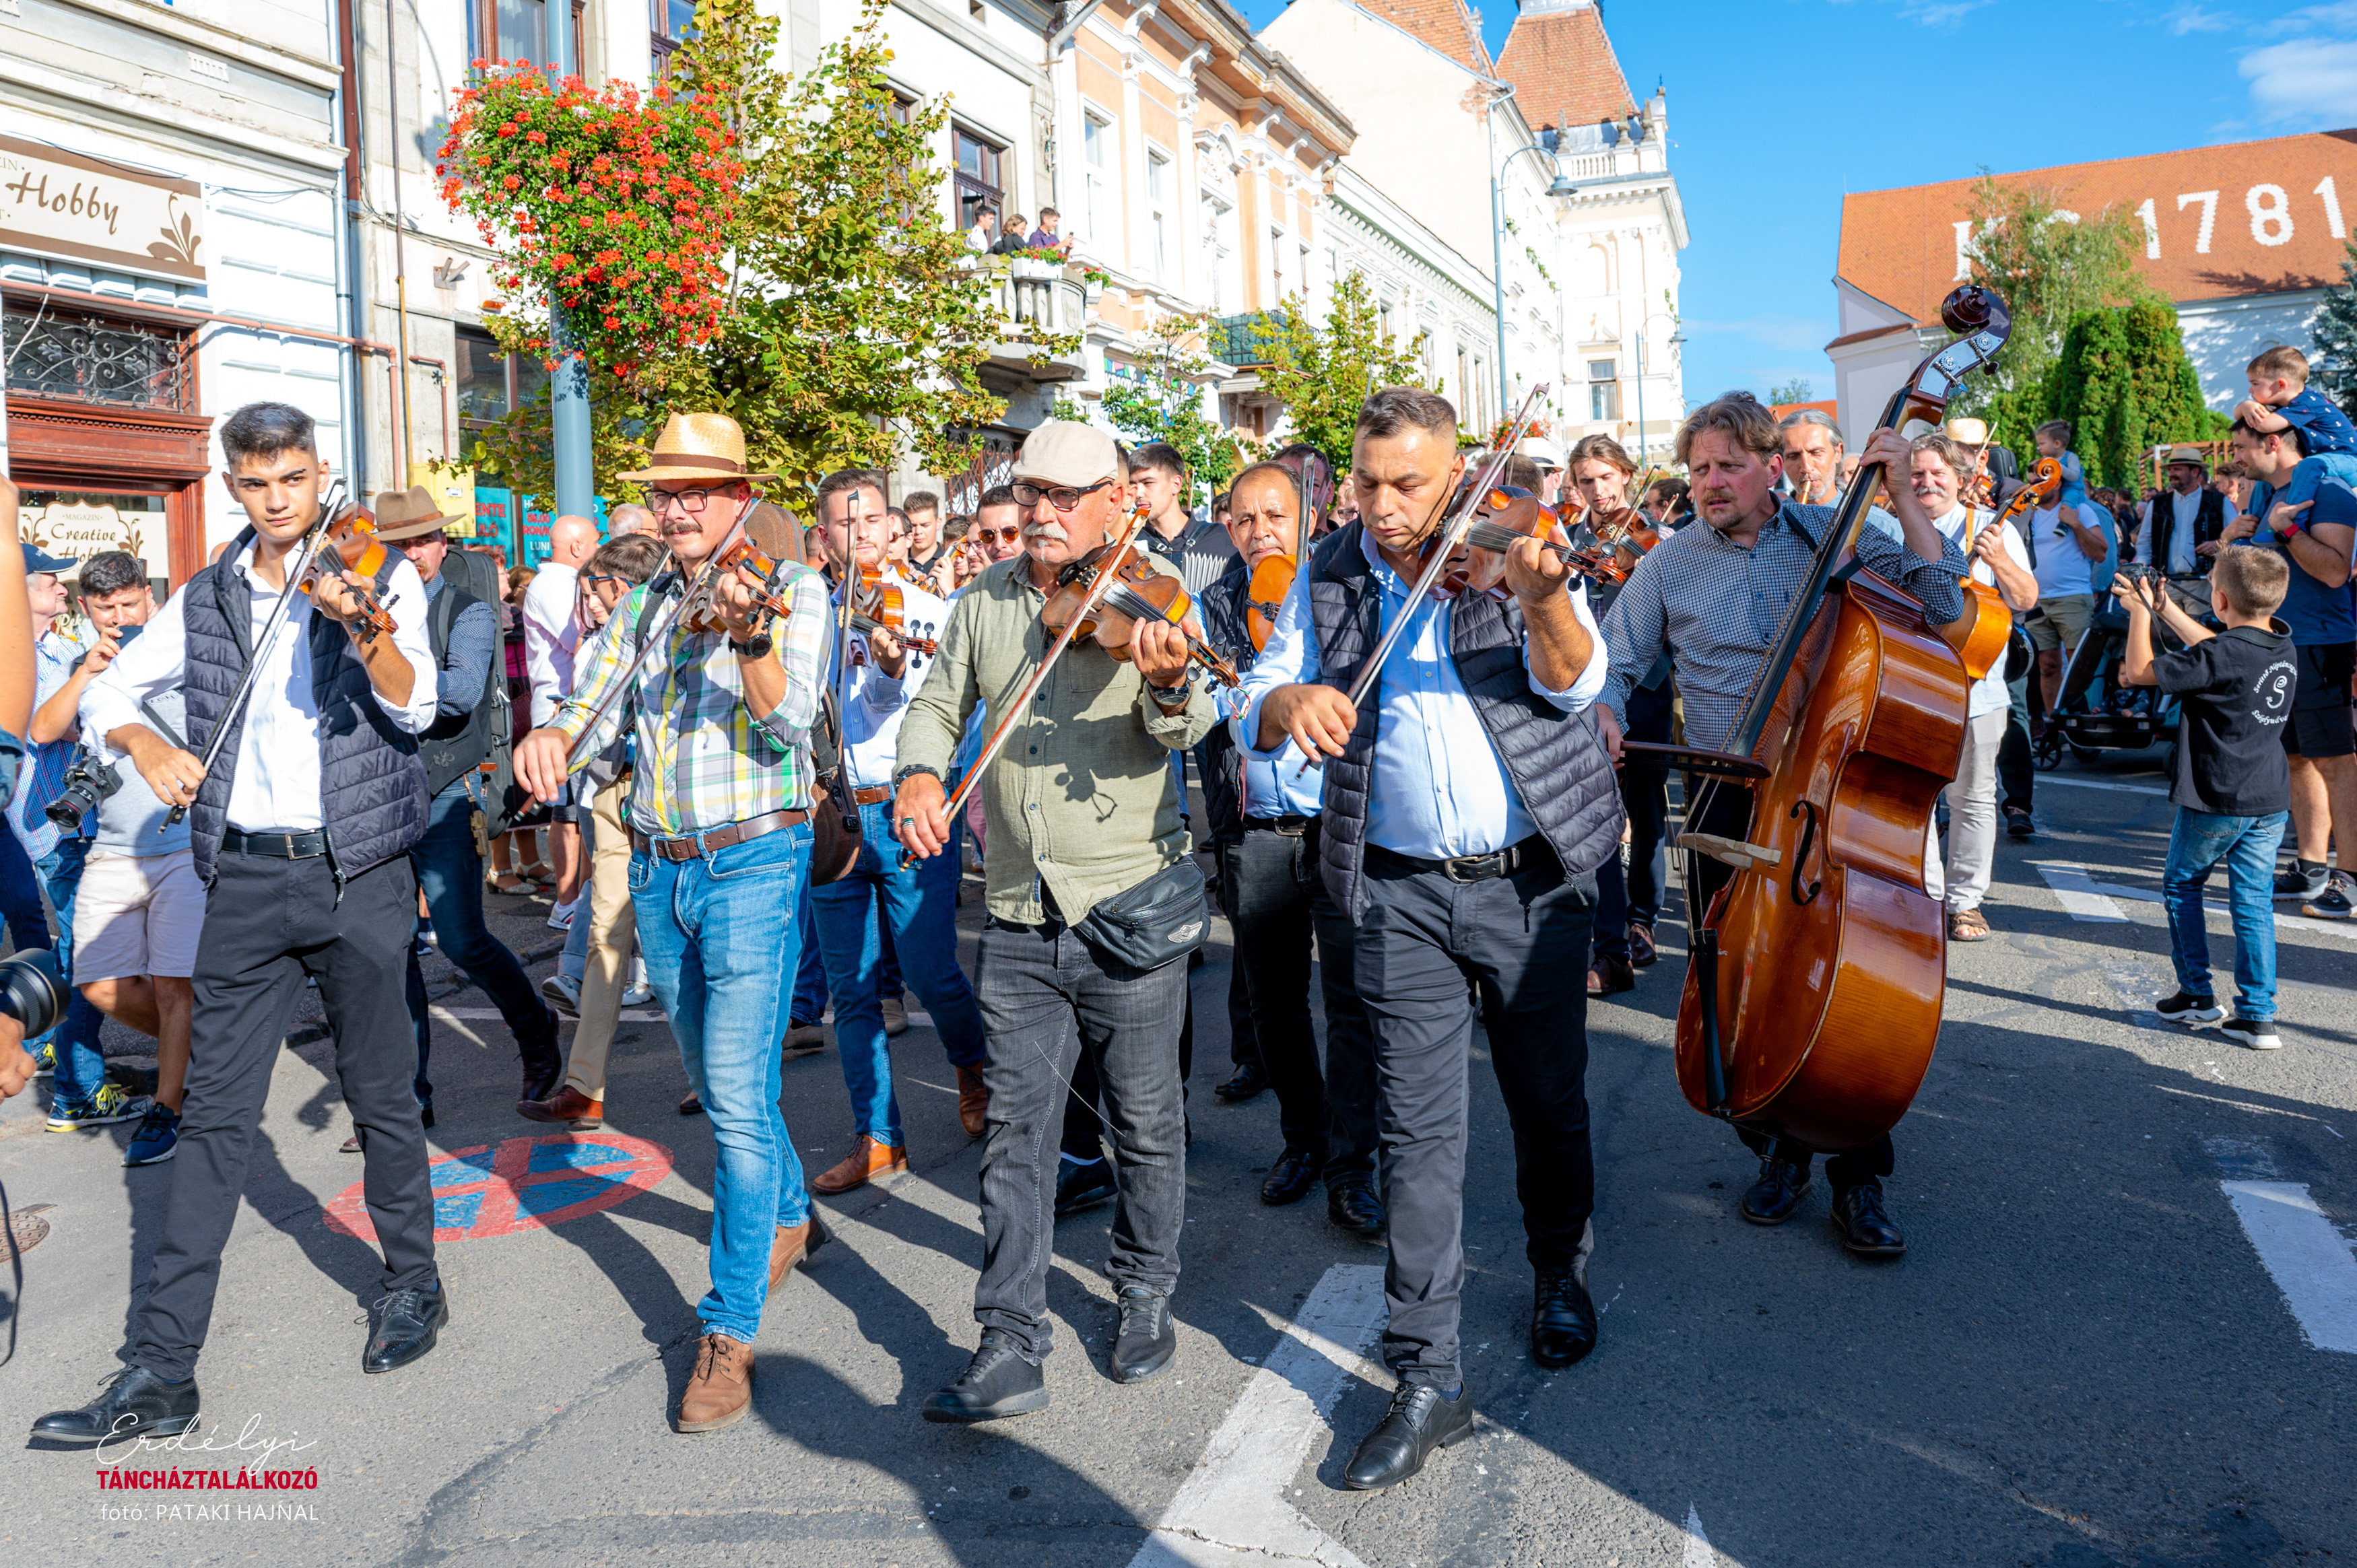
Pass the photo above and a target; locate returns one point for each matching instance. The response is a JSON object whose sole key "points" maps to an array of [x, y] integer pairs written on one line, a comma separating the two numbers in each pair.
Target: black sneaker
{"points": [[2332, 904], [999, 1382], [1148, 1338], [2258, 1034], [2018, 822], [1080, 1186], [2297, 881], [2186, 1008]]}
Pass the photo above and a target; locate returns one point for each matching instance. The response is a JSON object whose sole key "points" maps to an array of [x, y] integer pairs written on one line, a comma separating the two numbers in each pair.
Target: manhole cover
{"points": [[26, 1226]]}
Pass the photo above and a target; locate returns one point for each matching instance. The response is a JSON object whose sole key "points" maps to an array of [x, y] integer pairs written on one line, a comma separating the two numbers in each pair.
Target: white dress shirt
{"points": [[877, 702], [550, 636], [1960, 527], [1440, 790], [276, 787]]}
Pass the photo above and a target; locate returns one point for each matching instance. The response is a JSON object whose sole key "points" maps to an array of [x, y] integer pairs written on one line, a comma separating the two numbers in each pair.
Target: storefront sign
{"points": [[64, 205], [80, 530], [454, 493]]}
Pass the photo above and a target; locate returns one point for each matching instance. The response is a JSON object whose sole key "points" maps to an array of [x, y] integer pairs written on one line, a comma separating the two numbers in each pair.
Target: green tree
{"points": [[2333, 367], [2123, 381], [1797, 390], [2049, 266], [1325, 374], [1164, 402]]}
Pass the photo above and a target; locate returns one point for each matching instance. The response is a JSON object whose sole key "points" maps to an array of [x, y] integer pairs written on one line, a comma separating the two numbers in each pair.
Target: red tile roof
{"points": [[2249, 218], [1446, 25], [1563, 67]]}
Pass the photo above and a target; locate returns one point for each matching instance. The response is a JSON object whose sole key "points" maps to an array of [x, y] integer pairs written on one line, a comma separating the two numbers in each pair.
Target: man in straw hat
{"points": [[300, 831], [1994, 462], [1080, 810], [2180, 530], [720, 810], [464, 634]]}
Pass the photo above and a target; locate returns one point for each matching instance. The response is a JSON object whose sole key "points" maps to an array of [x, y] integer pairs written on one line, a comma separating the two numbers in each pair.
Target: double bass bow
{"points": [[1813, 1003]]}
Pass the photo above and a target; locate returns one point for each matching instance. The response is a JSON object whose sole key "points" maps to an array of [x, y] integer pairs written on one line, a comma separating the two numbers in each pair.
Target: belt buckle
{"points": [[1295, 830], [1474, 867]]}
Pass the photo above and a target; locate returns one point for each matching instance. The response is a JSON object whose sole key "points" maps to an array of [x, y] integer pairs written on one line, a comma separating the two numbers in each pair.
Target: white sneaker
{"points": [[637, 995], [560, 917]]}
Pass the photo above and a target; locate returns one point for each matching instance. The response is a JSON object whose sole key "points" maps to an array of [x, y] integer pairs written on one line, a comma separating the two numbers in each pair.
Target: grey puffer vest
{"points": [[1556, 759], [372, 785]]}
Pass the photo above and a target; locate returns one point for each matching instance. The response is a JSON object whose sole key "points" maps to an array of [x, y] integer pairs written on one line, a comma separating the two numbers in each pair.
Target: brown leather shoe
{"points": [[794, 1244], [974, 1101], [567, 1105], [804, 1040], [1609, 976], [1641, 951], [869, 1161], [720, 1390]]}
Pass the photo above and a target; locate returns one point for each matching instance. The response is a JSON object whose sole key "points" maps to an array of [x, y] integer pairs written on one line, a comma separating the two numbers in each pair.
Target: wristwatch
{"points": [[758, 646], [904, 775], [1174, 696]]}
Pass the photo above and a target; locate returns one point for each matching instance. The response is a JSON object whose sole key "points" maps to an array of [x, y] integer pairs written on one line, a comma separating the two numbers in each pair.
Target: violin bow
{"points": [[1454, 534], [1014, 710]]}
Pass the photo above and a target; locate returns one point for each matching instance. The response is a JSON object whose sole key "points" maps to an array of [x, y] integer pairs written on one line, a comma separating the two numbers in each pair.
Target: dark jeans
{"points": [[1279, 901], [1728, 812], [1645, 792], [1523, 941], [81, 1069], [268, 923], [1244, 1044], [451, 873], [2017, 770], [1047, 1001]]}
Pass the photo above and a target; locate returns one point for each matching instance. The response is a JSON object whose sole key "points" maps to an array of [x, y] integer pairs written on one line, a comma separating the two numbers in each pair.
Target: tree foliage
{"points": [[1164, 402], [1325, 374], [2333, 369], [1797, 390], [2051, 265], [2124, 383]]}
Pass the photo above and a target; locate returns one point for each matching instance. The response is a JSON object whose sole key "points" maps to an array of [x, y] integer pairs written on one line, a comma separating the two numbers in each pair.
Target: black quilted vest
{"points": [[372, 785], [1556, 759]]}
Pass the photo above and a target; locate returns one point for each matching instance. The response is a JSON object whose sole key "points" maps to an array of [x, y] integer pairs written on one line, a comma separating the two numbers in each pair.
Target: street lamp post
{"points": [[1559, 186], [568, 389], [1676, 337]]}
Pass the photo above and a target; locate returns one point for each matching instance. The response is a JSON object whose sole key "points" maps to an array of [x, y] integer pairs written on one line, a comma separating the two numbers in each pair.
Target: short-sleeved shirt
{"points": [[2064, 569], [2322, 426], [2321, 616], [2237, 689]]}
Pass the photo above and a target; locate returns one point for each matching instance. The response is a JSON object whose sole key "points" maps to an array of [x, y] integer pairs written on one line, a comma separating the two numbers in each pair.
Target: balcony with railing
{"points": [[1038, 300], [1610, 149]]}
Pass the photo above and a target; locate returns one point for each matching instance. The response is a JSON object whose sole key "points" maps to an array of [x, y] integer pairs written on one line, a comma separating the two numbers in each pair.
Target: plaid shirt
{"points": [[702, 759]]}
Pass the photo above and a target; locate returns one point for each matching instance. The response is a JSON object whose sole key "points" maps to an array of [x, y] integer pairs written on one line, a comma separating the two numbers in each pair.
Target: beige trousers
{"points": [[613, 940]]}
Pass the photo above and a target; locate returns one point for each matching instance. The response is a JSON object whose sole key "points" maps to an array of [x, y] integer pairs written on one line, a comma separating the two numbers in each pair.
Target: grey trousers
{"points": [[1971, 819], [1522, 941], [1046, 995]]}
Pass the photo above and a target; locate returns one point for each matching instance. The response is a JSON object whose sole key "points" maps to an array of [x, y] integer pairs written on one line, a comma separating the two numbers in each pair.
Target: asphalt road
{"points": [[2083, 1359]]}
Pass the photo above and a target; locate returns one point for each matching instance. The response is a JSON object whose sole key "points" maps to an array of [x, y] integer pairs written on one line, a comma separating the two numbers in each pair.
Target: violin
{"points": [[1135, 591], [351, 545], [2035, 495], [879, 605]]}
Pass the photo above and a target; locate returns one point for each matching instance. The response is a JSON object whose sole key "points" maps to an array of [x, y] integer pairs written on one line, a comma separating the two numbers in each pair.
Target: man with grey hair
{"points": [[1813, 455], [551, 631], [628, 518]]}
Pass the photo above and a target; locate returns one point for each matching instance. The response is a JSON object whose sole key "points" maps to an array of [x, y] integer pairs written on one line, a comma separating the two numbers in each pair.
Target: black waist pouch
{"points": [[1152, 922]]}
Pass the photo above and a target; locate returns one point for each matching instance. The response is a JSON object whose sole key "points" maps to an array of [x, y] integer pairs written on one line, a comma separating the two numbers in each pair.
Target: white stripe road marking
{"points": [[2084, 899], [2101, 784], [630, 1015], [1232, 1510], [1698, 1552], [2076, 891], [2310, 1259]]}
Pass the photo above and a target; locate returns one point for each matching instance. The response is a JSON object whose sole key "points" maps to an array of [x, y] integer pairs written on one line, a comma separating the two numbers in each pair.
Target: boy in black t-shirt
{"points": [[2232, 787]]}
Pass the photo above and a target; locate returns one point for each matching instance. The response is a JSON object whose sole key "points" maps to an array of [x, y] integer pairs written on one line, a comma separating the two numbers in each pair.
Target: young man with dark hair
{"points": [[926, 543], [300, 831], [1157, 481]]}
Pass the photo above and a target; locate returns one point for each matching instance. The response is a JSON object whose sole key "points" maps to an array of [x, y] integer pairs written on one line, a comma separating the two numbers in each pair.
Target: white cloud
{"points": [[2195, 18], [2306, 79]]}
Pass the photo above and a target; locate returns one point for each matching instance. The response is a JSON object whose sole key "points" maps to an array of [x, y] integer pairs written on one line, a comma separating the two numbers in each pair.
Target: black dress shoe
{"points": [[1865, 1229], [1563, 1320], [133, 1402], [543, 1064], [999, 1382], [1290, 1179], [404, 1326], [1772, 1199], [1419, 1421], [1148, 1338], [1080, 1186], [1248, 1079], [1351, 1203]]}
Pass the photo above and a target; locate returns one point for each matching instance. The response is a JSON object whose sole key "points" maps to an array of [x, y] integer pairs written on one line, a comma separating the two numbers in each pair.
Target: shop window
{"points": [[979, 181], [492, 384], [82, 523], [80, 356]]}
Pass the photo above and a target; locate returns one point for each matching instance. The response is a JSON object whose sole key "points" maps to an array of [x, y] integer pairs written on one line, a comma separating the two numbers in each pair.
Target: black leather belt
{"points": [[694, 846], [1532, 851], [275, 847], [1292, 827]]}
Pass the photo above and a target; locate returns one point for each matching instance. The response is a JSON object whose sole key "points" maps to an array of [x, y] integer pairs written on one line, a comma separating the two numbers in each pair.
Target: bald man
{"points": [[550, 633]]}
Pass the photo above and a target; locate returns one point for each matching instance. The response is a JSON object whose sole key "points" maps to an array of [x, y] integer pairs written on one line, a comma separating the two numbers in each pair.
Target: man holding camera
{"points": [[140, 906]]}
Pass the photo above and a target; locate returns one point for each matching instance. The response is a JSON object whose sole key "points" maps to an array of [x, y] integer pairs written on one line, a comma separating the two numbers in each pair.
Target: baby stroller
{"points": [[2094, 712]]}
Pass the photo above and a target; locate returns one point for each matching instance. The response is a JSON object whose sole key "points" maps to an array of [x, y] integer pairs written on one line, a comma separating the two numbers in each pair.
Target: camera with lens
{"points": [[32, 991], [89, 779], [2138, 571]]}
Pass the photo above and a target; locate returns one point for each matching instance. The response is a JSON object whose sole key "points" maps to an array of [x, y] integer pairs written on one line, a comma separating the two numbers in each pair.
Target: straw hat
{"points": [[706, 446], [412, 513], [1971, 432], [2193, 454]]}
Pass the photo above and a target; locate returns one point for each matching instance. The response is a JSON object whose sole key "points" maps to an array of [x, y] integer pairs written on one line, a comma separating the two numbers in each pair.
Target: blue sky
{"points": [[1778, 107]]}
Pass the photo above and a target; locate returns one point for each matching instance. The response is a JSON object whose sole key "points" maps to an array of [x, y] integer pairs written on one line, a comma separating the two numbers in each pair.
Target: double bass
{"points": [[1813, 1003]]}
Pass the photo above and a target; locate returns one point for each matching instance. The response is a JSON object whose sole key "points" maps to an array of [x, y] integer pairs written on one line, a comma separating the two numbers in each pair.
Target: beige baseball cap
{"points": [[1065, 452]]}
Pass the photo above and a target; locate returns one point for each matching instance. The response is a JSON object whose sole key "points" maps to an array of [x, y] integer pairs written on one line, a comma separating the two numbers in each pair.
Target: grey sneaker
{"points": [[562, 995], [2295, 881], [2332, 904], [109, 1105]]}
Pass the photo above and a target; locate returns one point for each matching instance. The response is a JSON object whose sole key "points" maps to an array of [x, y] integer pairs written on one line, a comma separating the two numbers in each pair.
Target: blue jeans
{"points": [[918, 906], [451, 873], [80, 1067], [716, 938], [2247, 844], [806, 994]]}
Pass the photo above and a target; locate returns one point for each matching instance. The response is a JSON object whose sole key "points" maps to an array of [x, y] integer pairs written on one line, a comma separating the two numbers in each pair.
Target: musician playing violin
{"points": [[1713, 598], [1081, 807], [720, 807], [1465, 808]]}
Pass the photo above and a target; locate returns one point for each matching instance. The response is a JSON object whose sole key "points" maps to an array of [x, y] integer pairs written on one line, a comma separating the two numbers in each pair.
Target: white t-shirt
{"points": [[2063, 568], [550, 633], [1961, 526]]}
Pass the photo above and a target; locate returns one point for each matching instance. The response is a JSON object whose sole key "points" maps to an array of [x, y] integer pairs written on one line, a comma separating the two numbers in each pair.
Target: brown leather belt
{"points": [[873, 795], [695, 846]]}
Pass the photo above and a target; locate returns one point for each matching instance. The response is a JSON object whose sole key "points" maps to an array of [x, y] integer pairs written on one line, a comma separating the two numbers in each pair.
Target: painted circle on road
{"points": [[523, 1184]]}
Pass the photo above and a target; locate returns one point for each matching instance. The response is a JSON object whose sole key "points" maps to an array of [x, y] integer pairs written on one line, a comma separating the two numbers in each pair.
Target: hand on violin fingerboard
{"points": [[1160, 651], [1534, 572]]}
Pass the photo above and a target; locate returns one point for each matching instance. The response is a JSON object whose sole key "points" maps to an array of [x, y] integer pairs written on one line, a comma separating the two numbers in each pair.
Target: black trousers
{"points": [[1727, 812], [1083, 1133], [1279, 903], [1244, 1043], [1645, 792], [1523, 941], [268, 924]]}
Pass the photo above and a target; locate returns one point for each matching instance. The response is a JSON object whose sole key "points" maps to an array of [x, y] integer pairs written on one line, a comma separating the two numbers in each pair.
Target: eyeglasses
{"points": [[604, 577], [692, 502], [1063, 498]]}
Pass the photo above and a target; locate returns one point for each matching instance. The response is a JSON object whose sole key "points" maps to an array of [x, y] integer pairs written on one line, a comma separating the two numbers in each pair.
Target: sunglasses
{"points": [[1008, 536], [1063, 498]]}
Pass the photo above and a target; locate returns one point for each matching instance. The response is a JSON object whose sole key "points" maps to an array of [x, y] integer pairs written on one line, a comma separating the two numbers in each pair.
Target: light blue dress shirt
{"points": [[1440, 788]]}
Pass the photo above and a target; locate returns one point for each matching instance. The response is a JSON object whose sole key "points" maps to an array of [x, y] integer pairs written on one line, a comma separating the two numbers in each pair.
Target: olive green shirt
{"points": [[1081, 798]]}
